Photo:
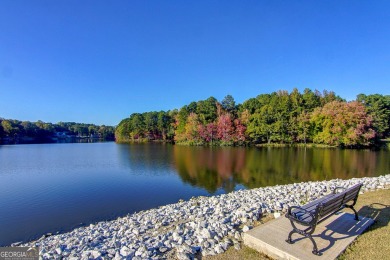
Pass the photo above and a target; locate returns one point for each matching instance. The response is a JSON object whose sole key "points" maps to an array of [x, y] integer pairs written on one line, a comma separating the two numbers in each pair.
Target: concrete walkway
{"points": [[332, 237]]}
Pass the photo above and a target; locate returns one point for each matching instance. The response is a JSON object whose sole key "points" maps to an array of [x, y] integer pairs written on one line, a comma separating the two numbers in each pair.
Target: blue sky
{"points": [[99, 61]]}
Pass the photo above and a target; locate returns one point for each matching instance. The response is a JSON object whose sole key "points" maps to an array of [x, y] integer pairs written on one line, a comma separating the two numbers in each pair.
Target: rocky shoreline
{"points": [[202, 225]]}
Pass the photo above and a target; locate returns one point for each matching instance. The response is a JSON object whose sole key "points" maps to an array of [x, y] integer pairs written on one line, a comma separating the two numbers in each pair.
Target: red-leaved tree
{"points": [[225, 129], [208, 132]]}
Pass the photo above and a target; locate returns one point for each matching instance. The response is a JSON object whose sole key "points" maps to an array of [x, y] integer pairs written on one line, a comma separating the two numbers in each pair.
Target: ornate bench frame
{"points": [[315, 212]]}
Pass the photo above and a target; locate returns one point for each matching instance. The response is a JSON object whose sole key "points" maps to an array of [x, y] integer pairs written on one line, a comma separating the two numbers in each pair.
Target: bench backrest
{"points": [[339, 200], [352, 193], [331, 205]]}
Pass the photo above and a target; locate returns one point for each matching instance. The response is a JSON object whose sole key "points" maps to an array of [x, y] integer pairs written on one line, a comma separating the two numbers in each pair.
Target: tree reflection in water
{"points": [[225, 167]]}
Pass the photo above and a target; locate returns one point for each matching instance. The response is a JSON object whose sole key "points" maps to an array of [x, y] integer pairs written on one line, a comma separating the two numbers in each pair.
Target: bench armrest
{"points": [[294, 216], [336, 190]]}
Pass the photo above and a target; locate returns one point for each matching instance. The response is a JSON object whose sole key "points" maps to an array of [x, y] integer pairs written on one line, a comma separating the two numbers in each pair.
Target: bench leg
{"points": [[306, 233], [288, 240], [315, 248], [356, 215], [295, 230]]}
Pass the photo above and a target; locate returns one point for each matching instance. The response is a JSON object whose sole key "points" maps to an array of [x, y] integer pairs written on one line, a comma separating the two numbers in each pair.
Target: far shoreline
{"points": [[383, 144]]}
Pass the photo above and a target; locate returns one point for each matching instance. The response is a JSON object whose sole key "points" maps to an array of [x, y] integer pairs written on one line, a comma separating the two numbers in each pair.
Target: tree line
{"points": [[276, 118], [15, 130]]}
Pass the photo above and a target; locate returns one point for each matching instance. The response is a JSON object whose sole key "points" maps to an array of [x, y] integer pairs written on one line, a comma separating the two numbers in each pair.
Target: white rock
{"points": [[245, 228], [206, 233], [117, 255], [218, 249], [58, 250], [183, 256], [95, 254], [111, 251], [125, 251], [180, 240], [163, 249], [276, 214]]}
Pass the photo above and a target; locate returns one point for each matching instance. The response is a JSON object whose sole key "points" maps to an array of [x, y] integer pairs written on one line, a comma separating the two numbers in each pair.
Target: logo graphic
{"points": [[19, 253]]}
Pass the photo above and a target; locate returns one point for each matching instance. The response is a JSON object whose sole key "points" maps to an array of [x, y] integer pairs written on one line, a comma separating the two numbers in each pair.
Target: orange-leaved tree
{"points": [[342, 124]]}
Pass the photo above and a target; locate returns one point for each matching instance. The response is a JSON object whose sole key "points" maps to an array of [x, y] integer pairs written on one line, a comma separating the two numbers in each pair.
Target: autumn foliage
{"points": [[342, 124], [276, 118]]}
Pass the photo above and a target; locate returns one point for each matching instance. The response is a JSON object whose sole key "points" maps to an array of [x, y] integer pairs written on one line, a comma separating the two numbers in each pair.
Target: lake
{"points": [[56, 187]]}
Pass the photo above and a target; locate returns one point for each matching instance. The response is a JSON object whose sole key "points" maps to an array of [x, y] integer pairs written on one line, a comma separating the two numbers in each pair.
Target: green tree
{"points": [[29, 128], [261, 126], [191, 108], [1, 129], [251, 105], [9, 129], [92, 130], [164, 124], [329, 96], [180, 124], [206, 110], [303, 127], [106, 132], [296, 108], [192, 129], [296, 99], [122, 131], [282, 107], [150, 121], [311, 100], [378, 106], [229, 104], [137, 126]]}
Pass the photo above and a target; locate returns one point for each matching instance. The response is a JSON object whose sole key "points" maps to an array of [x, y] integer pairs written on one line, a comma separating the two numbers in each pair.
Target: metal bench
{"points": [[311, 214]]}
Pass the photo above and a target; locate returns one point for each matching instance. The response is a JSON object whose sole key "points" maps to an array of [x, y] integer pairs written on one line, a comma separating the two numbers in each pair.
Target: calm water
{"points": [[55, 187]]}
